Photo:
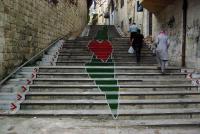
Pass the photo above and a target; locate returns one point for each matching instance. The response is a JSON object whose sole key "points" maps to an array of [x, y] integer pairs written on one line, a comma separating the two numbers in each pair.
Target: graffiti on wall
{"points": [[193, 36], [173, 30], [171, 22]]}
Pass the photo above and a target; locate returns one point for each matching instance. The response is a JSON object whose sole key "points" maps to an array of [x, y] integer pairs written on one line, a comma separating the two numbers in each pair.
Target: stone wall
{"points": [[28, 26], [193, 34], [172, 20], [123, 16]]}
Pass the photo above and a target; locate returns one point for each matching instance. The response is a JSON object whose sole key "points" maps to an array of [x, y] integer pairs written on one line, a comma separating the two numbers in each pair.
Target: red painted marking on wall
{"points": [[198, 82], [35, 70], [28, 82], [13, 107], [33, 76], [24, 89], [189, 76], [19, 97]]}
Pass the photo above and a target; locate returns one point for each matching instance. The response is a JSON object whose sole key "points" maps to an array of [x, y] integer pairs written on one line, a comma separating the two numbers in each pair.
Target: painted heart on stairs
{"points": [[102, 50]]}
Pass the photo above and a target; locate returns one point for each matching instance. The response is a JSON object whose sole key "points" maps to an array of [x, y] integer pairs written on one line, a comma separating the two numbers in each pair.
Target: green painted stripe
{"points": [[102, 83]]}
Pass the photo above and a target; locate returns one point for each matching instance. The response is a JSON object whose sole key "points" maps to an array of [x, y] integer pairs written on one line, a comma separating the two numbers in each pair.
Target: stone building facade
{"points": [[102, 9], [28, 26], [181, 20], [124, 12], [98, 11], [118, 14]]}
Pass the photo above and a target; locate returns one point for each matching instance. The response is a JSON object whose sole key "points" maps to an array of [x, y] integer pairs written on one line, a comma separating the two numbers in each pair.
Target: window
{"points": [[130, 20], [150, 23], [139, 7], [112, 5], [122, 3], [122, 25]]}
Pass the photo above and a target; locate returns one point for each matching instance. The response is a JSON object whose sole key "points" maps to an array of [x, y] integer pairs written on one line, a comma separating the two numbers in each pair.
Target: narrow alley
{"points": [[65, 67]]}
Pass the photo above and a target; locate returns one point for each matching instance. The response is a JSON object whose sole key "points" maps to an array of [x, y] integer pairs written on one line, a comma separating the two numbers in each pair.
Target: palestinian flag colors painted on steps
{"points": [[100, 66], [101, 49]]}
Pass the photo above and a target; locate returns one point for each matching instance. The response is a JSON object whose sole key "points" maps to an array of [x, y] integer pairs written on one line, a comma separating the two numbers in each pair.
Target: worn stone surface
{"points": [[171, 21], [83, 126], [28, 26], [171, 18], [193, 35]]}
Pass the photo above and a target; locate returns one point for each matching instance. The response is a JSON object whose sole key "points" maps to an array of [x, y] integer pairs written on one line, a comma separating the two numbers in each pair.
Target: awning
{"points": [[155, 6]]}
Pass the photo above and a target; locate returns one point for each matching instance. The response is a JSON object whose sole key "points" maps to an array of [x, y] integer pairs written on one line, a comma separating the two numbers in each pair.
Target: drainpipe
{"points": [[185, 6]]}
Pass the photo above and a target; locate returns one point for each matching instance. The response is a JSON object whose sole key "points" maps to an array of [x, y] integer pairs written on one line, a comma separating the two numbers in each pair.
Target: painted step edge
{"points": [[120, 93], [122, 102], [138, 112], [121, 86]]}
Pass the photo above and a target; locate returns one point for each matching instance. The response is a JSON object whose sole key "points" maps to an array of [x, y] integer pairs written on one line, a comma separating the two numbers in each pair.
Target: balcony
{"points": [[155, 6]]}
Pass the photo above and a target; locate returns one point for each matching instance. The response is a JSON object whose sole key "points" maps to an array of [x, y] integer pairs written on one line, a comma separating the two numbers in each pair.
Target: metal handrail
{"points": [[33, 59]]}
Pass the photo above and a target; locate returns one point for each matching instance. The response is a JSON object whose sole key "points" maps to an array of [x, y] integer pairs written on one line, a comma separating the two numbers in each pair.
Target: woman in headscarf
{"points": [[162, 42]]}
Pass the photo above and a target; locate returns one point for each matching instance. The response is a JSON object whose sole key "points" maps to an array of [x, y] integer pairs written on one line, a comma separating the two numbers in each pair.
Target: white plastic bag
{"points": [[130, 50]]}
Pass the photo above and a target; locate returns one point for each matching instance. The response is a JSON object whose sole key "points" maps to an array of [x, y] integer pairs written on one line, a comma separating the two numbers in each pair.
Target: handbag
{"points": [[130, 50]]}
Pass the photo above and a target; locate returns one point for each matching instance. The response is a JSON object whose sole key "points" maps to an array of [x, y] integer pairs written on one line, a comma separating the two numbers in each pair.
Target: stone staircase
{"points": [[147, 97]]}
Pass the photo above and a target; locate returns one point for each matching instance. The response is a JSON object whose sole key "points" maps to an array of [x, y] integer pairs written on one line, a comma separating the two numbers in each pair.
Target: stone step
{"points": [[69, 81], [114, 53], [110, 75], [6, 105], [121, 86], [87, 51], [18, 81], [84, 48], [28, 69], [144, 92], [124, 88], [108, 123], [86, 41], [84, 44], [8, 96], [115, 58], [123, 112], [104, 69], [82, 63], [108, 67], [89, 56], [22, 75], [102, 104], [63, 60], [116, 45], [9, 105], [101, 95], [150, 112]]}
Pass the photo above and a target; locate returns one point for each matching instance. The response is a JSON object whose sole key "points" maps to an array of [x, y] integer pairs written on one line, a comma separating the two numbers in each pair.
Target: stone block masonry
{"points": [[28, 26]]}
